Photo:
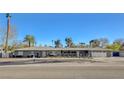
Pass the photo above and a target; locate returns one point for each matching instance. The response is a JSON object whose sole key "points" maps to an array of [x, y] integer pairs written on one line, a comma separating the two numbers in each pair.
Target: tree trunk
{"points": [[29, 44]]}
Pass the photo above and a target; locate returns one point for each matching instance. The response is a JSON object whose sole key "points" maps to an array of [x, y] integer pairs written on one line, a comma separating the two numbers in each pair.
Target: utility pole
{"points": [[8, 30]]}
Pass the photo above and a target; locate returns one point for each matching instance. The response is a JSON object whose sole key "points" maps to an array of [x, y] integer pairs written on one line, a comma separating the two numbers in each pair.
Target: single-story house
{"points": [[41, 52]]}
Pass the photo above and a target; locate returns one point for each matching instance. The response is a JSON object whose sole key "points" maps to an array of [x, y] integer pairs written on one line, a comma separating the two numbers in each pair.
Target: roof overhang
{"points": [[59, 49]]}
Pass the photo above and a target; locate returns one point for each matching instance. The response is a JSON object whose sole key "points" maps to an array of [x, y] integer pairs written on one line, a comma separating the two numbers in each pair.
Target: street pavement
{"points": [[74, 70]]}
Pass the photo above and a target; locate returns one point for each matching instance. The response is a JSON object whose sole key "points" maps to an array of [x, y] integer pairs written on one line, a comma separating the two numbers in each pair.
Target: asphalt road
{"points": [[62, 71]]}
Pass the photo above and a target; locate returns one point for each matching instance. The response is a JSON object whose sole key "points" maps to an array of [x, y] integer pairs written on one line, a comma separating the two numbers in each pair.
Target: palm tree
{"points": [[69, 42], [57, 44], [30, 40]]}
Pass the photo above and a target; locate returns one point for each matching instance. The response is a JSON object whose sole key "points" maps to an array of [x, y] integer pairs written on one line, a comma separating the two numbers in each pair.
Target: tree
{"points": [[115, 46], [74, 45], [30, 40], [94, 43], [2, 36], [18, 44], [69, 42], [12, 36], [119, 41], [103, 42], [58, 44]]}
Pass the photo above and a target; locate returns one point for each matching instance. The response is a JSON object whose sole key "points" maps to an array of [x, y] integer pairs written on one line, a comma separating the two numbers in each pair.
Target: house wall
{"points": [[43, 54], [99, 54], [62, 53], [29, 54], [53, 53], [78, 53], [121, 53], [109, 54]]}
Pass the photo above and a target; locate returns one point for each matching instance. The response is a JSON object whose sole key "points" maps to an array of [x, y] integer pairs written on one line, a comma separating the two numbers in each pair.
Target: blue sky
{"points": [[81, 27]]}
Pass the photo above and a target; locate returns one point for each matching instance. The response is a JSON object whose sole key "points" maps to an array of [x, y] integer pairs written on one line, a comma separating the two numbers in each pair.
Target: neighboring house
{"points": [[41, 52], [1, 52]]}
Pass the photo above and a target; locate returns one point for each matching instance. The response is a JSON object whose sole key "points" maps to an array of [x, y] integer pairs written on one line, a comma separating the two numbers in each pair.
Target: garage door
{"points": [[99, 54]]}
